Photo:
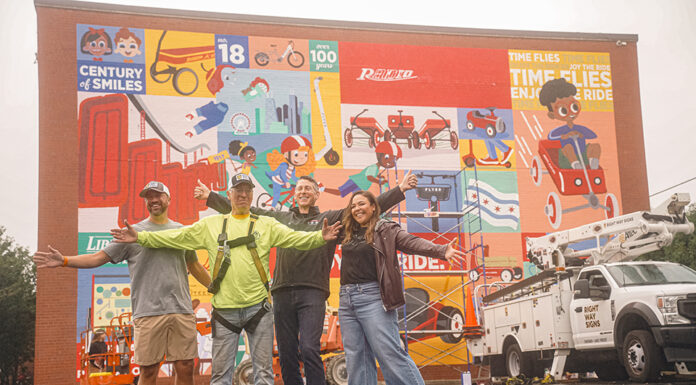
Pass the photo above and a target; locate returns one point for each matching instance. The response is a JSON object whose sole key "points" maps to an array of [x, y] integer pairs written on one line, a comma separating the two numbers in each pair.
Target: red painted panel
{"points": [[386, 74]]}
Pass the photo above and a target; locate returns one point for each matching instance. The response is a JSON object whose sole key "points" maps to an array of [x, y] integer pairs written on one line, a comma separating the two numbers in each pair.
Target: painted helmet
{"points": [[293, 143], [389, 148]]}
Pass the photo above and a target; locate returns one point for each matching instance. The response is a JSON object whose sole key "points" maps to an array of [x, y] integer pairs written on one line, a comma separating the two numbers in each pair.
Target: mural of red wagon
{"points": [[401, 127], [492, 124], [584, 181]]}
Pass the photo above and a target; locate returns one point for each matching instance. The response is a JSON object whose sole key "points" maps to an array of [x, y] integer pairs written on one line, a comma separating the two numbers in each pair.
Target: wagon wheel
{"points": [[163, 75], [553, 209], [348, 137], [451, 318], [535, 171], [376, 137], [454, 140], [190, 85], [612, 206], [415, 140], [490, 131], [429, 141], [470, 125]]}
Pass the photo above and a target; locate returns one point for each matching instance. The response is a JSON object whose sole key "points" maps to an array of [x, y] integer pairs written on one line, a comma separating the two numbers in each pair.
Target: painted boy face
{"points": [[97, 47], [566, 109], [386, 160], [298, 157], [128, 47]]}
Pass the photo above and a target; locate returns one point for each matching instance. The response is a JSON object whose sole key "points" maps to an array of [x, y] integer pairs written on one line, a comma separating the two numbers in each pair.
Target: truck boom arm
{"points": [[622, 238]]}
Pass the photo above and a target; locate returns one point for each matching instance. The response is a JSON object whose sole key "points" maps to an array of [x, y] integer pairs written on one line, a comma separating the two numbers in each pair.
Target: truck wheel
{"points": [[244, 373], [336, 372], [450, 318], [641, 356], [516, 363], [611, 371]]}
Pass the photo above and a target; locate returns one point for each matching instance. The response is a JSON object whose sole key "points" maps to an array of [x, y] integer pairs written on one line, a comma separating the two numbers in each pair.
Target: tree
{"points": [[17, 312], [683, 247]]}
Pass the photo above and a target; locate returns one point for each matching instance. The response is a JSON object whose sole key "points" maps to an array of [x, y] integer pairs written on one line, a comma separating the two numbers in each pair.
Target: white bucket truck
{"points": [[591, 309]]}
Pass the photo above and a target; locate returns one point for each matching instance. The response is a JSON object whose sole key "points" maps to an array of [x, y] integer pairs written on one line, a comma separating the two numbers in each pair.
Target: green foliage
{"points": [[17, 312], [683, 247]]}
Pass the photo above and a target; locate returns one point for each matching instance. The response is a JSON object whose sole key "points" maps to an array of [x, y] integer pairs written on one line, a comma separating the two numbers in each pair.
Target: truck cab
{"points": [[644, 310]]}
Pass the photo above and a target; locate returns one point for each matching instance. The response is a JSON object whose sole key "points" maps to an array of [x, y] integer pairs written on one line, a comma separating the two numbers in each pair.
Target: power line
{"points": [[676, 185]]}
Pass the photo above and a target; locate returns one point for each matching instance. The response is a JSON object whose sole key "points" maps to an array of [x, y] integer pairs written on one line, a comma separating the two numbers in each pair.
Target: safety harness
{"points": [[222, 264]]}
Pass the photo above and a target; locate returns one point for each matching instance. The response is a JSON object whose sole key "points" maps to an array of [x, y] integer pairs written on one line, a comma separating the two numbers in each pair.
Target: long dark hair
{"points": [[351, 225]]}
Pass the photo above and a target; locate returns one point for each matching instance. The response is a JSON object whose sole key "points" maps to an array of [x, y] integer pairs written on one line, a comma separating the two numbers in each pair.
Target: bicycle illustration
{"points": [[294, 58], [162, 73], [265, 200]]}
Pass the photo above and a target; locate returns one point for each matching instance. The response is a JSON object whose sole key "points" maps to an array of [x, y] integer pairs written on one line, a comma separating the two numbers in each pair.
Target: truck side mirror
{"points": [[603, 292], [582, 289]]}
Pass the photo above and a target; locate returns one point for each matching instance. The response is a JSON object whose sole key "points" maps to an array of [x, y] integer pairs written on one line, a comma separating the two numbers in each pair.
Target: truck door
{"points": [[591, 318]]}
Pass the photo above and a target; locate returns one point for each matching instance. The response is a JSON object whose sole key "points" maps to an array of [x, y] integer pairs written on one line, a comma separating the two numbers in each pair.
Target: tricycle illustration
{"points": [[161, 73], [294, 58], [492, 124], [584, 181]]}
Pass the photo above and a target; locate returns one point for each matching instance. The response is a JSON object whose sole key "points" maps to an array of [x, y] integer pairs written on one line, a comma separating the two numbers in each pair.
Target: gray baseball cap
{"points": [[155, 186]]}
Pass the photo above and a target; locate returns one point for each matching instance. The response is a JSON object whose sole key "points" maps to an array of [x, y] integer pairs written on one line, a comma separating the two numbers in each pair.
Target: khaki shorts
{"points": [[170, 335]]}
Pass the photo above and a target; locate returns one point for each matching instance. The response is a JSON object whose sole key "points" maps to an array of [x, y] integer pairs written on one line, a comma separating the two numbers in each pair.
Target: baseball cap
{"points": [[241, 178], [156, 186]]}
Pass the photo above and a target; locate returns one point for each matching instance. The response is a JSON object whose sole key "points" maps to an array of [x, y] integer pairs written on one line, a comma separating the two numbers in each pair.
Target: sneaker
{"points": [[489, 160], [576, 165]]}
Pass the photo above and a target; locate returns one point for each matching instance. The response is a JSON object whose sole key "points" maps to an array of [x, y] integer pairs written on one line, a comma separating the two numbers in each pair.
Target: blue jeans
{"points": [[300, 311], [226, 341], [369, 331]]}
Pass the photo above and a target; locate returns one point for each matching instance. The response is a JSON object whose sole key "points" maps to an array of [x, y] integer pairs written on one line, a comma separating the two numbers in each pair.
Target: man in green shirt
{"points": [[242, 295]]}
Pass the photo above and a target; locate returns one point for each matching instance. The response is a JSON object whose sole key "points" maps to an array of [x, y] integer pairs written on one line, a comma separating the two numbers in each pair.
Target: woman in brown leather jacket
{"points": [[371, 290]]}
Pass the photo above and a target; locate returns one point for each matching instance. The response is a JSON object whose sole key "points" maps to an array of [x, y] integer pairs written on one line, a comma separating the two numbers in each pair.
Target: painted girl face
{"points": [[298, 157], [249, 156], [97, 47], [128, 47], [361, 209]]}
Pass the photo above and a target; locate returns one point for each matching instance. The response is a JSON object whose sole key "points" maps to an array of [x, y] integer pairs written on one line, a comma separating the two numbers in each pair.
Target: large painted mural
{"points": [[519, 143]]}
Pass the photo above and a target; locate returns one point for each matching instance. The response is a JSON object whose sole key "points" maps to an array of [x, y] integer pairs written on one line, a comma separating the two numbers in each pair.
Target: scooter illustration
{"points": [[330, 155], [294, 58], [470, 159]]}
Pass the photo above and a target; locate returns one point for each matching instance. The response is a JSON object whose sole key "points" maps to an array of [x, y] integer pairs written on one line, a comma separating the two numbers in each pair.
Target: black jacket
{"points": [[304, 268]]}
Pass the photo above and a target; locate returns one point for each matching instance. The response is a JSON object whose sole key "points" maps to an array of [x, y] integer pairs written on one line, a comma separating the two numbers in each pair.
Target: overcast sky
{"points": [[666, 57]]}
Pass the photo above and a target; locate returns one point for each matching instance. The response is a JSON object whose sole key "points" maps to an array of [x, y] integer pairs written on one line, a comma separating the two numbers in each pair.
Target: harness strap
{"points": [[249, 326]]}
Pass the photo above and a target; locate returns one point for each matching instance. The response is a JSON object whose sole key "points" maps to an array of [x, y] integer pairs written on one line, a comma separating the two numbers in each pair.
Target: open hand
{"points": [[452, 255], [52, 258], [201, 191], [329, 233], [408, 182], [127, 235]]}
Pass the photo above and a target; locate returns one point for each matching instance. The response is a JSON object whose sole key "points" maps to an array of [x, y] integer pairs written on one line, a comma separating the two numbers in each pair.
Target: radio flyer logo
{"points": [[110, 59]]}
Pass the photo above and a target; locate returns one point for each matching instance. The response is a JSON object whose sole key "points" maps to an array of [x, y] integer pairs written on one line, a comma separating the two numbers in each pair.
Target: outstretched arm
{"points": [[215, 201], [199, 272], [396, 195], [54, 258]]}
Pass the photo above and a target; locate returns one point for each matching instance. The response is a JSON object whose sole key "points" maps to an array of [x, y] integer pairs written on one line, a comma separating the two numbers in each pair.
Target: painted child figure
{"points": [[246, 154], [387, 153], [294, 160], [559, 97]]}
